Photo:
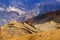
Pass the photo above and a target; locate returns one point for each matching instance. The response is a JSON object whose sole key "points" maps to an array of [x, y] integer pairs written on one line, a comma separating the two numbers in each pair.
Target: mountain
{"points": [[41, 23], [28, 17], [47, 17], [48, 35], [46, 20], [16, 29]]}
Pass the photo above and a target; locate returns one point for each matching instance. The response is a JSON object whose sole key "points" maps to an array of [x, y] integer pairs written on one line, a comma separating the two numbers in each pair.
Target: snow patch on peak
{"points": [[15, 9]]}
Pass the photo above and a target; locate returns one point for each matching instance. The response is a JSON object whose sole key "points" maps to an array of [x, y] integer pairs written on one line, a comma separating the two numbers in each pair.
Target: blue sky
{"points": [[28, 3], [5, 1]]}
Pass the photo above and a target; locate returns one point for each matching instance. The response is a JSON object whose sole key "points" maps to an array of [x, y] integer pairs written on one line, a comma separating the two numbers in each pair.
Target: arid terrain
{"points": [[48, 26]]}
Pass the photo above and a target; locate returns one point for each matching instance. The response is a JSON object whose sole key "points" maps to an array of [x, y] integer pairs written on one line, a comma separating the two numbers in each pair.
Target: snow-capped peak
{"points": [[15, 9]]}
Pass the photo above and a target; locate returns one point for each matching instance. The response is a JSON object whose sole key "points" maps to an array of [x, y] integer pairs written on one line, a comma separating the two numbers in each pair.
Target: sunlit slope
{"points": [[48, 35], [14, 29], [18, 29]]}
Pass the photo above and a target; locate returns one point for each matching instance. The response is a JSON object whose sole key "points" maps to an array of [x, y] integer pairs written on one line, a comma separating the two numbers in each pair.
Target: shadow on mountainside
{"points": [[47, 17]]}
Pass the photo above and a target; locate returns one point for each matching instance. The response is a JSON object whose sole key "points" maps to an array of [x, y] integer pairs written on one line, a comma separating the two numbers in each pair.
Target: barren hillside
{"points": [[14, 30]]}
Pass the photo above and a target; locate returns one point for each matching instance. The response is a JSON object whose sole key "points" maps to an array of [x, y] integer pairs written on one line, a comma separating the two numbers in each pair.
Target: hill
{"points": [[18, 29]]}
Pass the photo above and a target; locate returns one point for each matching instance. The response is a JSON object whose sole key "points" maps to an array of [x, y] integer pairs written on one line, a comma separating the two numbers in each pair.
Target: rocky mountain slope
{"points": [[17, 29], [13, 31], [48, 35], [38, 24], [29, 19]]}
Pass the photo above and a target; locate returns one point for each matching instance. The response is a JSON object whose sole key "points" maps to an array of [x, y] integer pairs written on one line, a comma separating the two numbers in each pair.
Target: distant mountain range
{"points": [[22, 10]]}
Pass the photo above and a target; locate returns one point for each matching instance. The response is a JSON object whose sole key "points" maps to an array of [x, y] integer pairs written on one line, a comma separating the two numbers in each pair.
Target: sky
{"points": [[28, 3]]}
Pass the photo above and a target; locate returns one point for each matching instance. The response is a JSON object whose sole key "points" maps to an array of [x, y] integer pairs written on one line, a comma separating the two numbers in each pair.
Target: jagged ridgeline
{"points": [[48, 20], [46, 17], [40, 23]]}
